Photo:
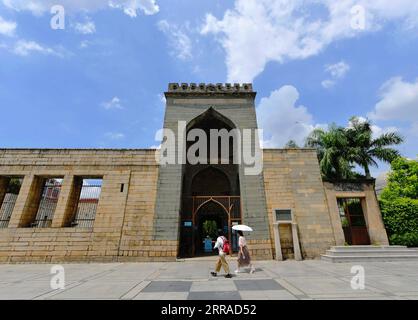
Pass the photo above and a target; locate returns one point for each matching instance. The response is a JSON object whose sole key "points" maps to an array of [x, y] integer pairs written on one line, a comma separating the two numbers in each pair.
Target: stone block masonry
{"points": [[123, 225], [293, 181], [139, 210]]}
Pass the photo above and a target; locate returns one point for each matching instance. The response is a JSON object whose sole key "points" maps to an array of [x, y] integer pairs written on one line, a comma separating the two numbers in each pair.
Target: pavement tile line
{"points": [[308, 279]]}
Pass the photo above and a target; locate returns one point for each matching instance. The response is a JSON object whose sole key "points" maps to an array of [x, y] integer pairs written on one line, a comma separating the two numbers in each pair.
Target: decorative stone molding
{"points": [[210, 89]]}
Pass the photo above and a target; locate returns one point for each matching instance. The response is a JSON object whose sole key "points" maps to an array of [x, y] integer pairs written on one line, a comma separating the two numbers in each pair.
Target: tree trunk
{"points": [[367, 171]]}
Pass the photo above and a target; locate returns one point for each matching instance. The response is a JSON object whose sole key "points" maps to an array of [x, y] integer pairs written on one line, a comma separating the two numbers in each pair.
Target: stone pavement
{"points": [[190, 279]]}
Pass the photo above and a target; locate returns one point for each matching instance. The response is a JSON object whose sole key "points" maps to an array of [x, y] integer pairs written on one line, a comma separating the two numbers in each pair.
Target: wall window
{"points": [[8, 197], [50, 191], [88, 199], [283, 215]]}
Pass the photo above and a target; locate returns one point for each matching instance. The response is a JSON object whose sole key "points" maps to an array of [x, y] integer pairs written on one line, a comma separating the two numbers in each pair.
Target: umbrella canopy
{"points": [[242, 227]]}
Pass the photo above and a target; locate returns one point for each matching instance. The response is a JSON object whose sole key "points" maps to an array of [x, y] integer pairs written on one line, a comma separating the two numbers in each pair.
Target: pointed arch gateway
{"points": [[210, 192]]}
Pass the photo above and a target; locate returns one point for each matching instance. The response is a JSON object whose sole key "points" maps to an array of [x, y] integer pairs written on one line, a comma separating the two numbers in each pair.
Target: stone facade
{"points": [[137, 217]]}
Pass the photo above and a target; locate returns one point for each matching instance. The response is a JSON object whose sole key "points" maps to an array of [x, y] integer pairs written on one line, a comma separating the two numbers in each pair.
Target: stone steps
{"points": [[370, 253]]}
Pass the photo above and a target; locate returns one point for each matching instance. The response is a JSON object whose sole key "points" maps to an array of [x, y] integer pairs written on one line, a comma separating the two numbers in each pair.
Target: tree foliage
{"points": [[402, 180], [399, 203], [291, 144], [340, 149]]}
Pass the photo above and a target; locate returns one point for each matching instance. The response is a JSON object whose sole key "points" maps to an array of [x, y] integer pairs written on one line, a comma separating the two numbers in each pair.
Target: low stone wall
{"points": [[123, 224], [293, 181]]}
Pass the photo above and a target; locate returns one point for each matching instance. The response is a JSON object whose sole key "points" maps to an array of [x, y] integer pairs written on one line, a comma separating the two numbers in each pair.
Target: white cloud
{"points": [[162, 99], [7, 28], [114, 103], [376, 130], [336, 71], [328, 83], [114, 135], [398, 101], [256, 32], [25, 48], [178, 40], [282, 120], [130, 7], [87, 27], [84, 44]]}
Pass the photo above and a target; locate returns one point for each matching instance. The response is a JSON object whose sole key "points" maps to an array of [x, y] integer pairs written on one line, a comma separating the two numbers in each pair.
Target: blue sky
{"points": [[98, 82]]}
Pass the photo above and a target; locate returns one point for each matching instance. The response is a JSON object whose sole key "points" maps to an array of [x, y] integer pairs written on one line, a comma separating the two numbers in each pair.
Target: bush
{"points": [[406, 239], [400, 217]]}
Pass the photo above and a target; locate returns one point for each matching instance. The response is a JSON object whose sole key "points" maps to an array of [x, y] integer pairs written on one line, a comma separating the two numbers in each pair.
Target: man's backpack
{"points": [[226, 247]]}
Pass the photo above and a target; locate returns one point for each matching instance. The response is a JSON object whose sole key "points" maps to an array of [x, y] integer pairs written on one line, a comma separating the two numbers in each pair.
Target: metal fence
{"points": [[7, 209], [87, 205], [48, 203], [9, 201]]}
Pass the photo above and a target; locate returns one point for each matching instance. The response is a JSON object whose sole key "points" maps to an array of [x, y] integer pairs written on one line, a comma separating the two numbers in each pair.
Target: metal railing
{"points": [[87, 206], [7, 209], [231, 205], [47, 204]]}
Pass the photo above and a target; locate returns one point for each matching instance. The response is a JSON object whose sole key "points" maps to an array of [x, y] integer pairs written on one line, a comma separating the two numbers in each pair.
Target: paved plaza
{"points": [[190, 279]]}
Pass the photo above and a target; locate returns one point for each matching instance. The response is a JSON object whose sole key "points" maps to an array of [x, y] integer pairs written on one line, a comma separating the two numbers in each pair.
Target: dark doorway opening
{"points": [[353, 221], [210, 214], [210, 191]]}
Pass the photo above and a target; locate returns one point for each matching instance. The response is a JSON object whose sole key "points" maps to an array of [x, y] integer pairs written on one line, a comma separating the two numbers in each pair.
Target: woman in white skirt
{"points": [[244, 259]]}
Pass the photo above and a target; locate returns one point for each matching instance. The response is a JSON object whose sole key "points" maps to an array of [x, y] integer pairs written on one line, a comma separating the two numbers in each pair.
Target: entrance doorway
{"points": [[210, 190], [353, 221], [210, 219]]}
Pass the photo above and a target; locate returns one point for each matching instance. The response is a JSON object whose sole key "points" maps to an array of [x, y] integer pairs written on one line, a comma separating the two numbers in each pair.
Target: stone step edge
{"points": [[328, 257], [369, 247], [374, 251]]}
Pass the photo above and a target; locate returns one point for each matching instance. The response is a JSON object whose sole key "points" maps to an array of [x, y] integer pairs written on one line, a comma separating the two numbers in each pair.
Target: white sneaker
{"points": [[252, 271]]}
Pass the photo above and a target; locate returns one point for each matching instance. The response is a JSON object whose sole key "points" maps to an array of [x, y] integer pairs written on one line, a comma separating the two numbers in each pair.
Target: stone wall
{"points": [[293, 181], [235, 102], [365, 191], [123, 225]]}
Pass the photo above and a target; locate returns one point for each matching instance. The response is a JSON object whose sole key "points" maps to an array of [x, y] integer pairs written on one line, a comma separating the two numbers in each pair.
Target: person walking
{"points": [[220, 243], [244, 258]]}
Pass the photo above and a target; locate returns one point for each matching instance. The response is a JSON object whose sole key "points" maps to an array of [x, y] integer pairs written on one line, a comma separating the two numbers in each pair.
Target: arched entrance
{"points": [[210, 191], [210, 218]]}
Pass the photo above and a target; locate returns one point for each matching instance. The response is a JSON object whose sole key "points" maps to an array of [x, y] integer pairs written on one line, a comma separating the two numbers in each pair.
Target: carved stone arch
{"points": [[210, 114], [217, 182]]}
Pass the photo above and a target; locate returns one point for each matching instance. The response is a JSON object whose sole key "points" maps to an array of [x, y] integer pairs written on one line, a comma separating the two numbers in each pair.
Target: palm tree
{"points": [[291, 144], [332, 147], [363, 149]]}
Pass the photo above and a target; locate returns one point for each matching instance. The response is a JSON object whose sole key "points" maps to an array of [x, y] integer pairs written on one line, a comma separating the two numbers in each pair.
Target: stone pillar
{"points": [[295, 240], [68, 198], [373, 216], [331, 197], [27, 202], [4, 182], [296, 246], [278, 246]]}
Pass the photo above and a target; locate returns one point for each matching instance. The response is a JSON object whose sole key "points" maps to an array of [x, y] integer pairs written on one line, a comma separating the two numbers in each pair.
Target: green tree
{"points": [[331, 147], [14, 185], [291, 144], [364, 150], [402, 180], [399, 203], [210, 228]]}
